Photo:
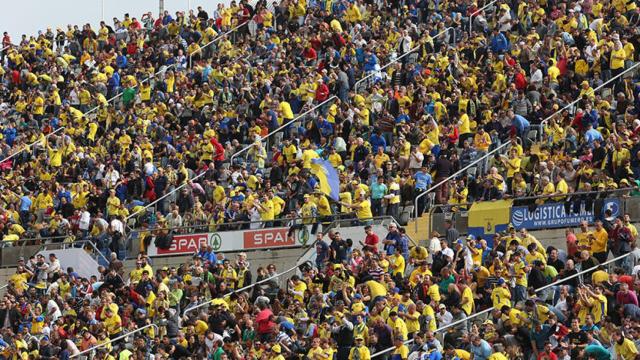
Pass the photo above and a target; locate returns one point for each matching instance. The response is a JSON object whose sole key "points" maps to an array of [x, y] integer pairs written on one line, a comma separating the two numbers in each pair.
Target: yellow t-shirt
{"points": [[403, 352], [627, 350], [364, 210], [468, 306], [617, 58], [465, 124]]}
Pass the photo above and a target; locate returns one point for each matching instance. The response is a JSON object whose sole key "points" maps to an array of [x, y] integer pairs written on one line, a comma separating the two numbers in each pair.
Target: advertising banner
{"points": [[555, 215], [487, 218], [229, 241]]}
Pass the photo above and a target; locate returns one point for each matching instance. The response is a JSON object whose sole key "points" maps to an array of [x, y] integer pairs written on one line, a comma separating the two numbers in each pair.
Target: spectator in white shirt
{"points": [[443, 316]]}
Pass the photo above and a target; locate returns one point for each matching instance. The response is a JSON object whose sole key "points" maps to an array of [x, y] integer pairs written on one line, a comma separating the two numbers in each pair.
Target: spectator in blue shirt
{"points": [[521, 124], [423, 179], [207, 254], [480, 348], [378, 191], [499, 43], [591, 135], [377, 140], [392, 239], [371, 60], [25, 207]]}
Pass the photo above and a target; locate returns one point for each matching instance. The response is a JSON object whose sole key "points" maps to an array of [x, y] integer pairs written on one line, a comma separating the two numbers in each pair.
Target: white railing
{"points": [[298, 117], [115, 339], [275, 276], [216, 39], [90, 111], [456, 174], [8, 47], [462, 321], [373, 73], [186, 182], [544, 122], [478, 12]]}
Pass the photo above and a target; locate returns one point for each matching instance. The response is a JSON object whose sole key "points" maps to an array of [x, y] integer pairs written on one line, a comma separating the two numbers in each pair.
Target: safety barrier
{"points": [[215, 40], [90, 111], [614, 199], [248, 287], [369, 78], [84, 244], [455, 175], [283, 126], [486, 311], [478, 12], [304, 257], [279, 235], [116, 339], [543, 123]]}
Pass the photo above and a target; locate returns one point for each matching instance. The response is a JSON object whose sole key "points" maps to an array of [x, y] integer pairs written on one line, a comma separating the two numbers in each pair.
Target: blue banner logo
{"points": [[554, 215]]}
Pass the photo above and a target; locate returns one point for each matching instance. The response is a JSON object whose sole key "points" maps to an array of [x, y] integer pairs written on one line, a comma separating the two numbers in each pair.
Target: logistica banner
{"points": [[554, 215]]}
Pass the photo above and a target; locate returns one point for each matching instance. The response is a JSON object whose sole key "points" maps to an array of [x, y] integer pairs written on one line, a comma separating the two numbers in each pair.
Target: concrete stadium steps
{"points": [[418, 229]]}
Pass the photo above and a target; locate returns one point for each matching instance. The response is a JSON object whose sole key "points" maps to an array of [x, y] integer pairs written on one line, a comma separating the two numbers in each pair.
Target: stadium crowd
{"points": [[381, 299], [98, 123]]}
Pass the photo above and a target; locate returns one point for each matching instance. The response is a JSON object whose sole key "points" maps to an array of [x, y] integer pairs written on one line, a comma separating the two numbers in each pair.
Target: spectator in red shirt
{"points": [[372, 240], [624, 296], [548, 353], [572, 243], [322, 92]]}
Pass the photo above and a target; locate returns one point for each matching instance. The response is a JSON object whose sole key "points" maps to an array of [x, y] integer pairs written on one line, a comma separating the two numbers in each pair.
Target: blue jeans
{"points": [[519, 293]]}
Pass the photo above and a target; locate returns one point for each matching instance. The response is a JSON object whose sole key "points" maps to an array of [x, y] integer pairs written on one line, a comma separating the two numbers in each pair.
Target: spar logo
{"points": [[182, 244], [267, 238]]}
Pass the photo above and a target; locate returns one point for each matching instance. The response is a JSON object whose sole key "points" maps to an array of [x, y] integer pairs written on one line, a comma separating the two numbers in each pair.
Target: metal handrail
{"points": [[544, 122], [90, 111], [166, 195], [298, 117], [368, 77], [220, 36], [310, 247], [555, 283], [478, 12], [8, 47], [117, 338], [456, 174], [22, 240], [275, 276]]}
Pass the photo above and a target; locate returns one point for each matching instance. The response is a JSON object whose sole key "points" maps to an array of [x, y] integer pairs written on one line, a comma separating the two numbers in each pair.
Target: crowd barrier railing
{"points": [[543, 123], [486, 6], [283, 126], [460, 218], [248, 287], [455, 175], [486, 311], [116, 339], [368, 79], [90, 111], [215, 40]]}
